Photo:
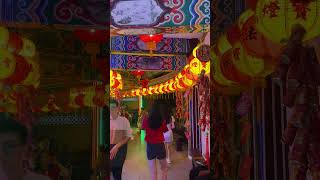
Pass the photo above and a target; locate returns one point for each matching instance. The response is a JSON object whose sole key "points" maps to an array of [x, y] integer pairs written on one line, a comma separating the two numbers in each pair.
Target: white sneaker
{"points": [[168, 161]]}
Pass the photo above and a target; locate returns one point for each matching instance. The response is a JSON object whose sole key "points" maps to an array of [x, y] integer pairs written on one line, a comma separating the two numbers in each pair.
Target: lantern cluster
{"points": [[276, 18], [243, 56], [19, 68], [115, 83], [18, 60], [182, 81]]}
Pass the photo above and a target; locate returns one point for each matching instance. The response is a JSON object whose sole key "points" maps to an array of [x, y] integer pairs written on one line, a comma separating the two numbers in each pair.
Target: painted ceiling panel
{"points": [[64, 12], [156, 13], [134, 44], [148, 63]]}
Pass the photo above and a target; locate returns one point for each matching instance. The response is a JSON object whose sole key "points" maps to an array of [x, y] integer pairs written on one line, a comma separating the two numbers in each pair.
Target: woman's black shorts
{"points": [[156, 151]]}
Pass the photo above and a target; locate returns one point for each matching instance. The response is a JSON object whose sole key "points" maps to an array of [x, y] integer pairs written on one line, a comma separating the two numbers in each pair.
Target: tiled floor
{"points": [[136, 165]]}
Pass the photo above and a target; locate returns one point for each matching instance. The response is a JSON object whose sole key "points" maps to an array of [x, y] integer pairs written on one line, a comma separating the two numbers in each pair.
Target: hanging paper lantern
{"points": [[115, 80], [189, 74], [195, 66], [138, 74], [79, 100], [166, 87], [21, 72], [15, 43], [276, 18], [151, 38], [156, 89], [229, 70], [144, 83], [203, 53], [254, 42], [150, 90], [245, 63], [7, 64], [28, 48], [217, 74], [144, 92], [4, 37], [138, 92], [171, 85], [163, 88], [160, 89]]}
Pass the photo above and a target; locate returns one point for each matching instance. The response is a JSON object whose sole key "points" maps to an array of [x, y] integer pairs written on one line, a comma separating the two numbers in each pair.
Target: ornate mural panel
{"points": [[71, 12], [129, 62], [134, 44], [155, 13]]}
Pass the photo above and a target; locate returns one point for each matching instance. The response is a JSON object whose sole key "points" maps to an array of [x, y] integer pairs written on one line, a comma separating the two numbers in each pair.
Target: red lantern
{"points": [[15, 43], [151, 41], [144, 83], [255, 43], [230, 72], [92, 35], [22, 70], [138, 74], [151, 38]]}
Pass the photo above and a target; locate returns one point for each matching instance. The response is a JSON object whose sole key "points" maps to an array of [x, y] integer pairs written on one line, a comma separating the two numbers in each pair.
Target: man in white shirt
{"points": [[120, 134], [13, 137]]}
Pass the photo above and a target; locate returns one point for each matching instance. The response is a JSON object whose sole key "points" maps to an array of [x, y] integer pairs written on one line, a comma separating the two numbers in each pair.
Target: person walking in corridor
{"points": [[168, 136], [120, 134], [155, 126]]}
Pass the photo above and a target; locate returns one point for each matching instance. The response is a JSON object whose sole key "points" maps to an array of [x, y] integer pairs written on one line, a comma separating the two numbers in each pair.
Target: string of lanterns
{"points": [[184, 80]]}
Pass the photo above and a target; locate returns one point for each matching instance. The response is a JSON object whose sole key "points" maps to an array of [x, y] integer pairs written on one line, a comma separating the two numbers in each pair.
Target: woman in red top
{"points": [[155, 126]]}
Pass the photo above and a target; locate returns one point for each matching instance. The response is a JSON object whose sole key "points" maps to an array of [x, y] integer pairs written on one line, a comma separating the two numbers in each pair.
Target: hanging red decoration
{"points": [[203, 53], [144, 83], [15, 43], [271, 9], [151, 38], [92, 35], [204, 101], [151, 41], [302, 10], [138, 74], [229, 70], [22, 70], [256, 44]]}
